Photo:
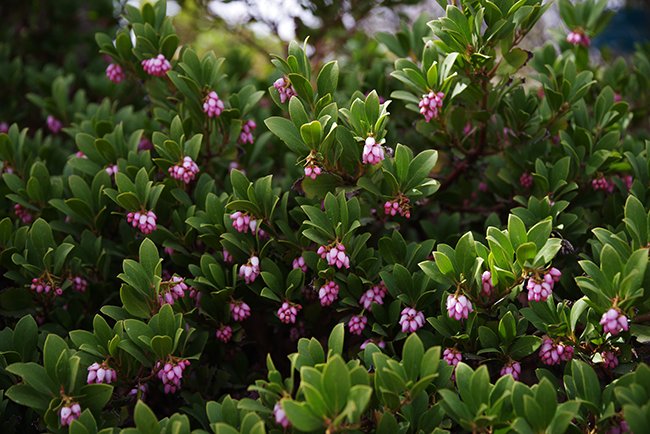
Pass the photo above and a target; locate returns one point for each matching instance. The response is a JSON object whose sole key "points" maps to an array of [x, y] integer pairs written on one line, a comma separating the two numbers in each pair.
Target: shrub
{"points": [[284, 263]]}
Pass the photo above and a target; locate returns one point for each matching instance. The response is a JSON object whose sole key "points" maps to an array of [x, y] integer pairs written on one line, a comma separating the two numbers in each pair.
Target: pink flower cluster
{"points": [[175, 289], [452, 356], [328, 293], [171, 374], [143, 220], [213, 105], [400, 206], [552, 353], [79, 284], [511, 368], [4, 127], [381, 344], [526, 180], [621, 428], [335, 255], [458, 306], [602, 183], [288, 312], [23, 214], [227, 257], [250, 270], [614, 322], [243, 221], [145, 144], [312, 170], [246, 135], [486, 283], [280, 416], [284, 88], [541, 289], [430, 105], [239, 310], [357, 323], [411, 320], [610, 361], [224, 333], [101, 373], [115, 73], [54, 124], [156, 66], [373, 152], [299, 262], [578, 37], [111, 169], [185, 171], [375, 294], [41, 286], [69, 412]]}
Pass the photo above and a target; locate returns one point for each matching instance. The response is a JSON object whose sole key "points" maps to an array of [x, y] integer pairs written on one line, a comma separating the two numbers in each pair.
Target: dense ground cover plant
{"points": [[466, 253]]}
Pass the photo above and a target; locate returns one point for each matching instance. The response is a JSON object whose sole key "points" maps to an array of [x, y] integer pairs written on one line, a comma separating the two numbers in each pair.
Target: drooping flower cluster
{"points": [[578, 37], [69, 412], [299, 262], [243, 221], [335, 255], [227, 257], [79, 284], [357, 324], [101, 373], [380, 343], [284, 88], [250, 270], [511, 368], [54, 124], [213, 105], [171, 373], [540, 288], [145, 144], [111, 169], [139, 391], [610, 361], [602, 183], [373, 152], [375, 294], [526, 180], [185, 171], [239, 310], [4, 127], [41, 286], [224, 333], [328, 293], [400, 206], [452, 356], [552, 353], [486, 283], [411, 320], [115, 73], [280, 416], [614, 322], [246, 135], [143, 220], [312, 167], [430, 105], [288, 312], [156, 66], [23, 214], [458, 307], [172, 290]]}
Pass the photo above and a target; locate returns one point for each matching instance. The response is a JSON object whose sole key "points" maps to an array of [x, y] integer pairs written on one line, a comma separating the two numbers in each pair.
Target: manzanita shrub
{"points": [[201, 255]]}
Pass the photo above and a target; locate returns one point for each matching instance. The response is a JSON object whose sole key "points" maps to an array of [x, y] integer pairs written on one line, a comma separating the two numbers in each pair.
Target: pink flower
{"points": [[143, 220], [288, 312], [246, 135], [328, 293], [101, 373], [313, 170], [613, 322], [552, 353], [280, 416], [115, 73], [23, 214], [299, 262], [284, 88], [185, 171], [458, 307], [239, 310], [156, 66], [375, 294], [41, 286], [250, 270], [486, 283], [79, 284], [145, 144], [621, 428], [602, 183], [628, 180], [242, 222], [511, 368], [227, 257], [526, 180], [357, 323], [400, 206], [381, 344], [373, 152], [610, 361], [69, 412], [452, 356], [578, 37], [111, 169], [411, 320], [171, 374], [54, 124], [4, 127], [172, 290], [539, 289], [430, 105], [212, 105], [224, 333], [335, 255]]}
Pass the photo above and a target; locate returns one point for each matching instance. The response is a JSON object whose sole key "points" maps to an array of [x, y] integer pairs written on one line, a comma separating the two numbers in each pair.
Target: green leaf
{"points": [[335, 384], [145, 419], [288, 133], [335, 340], [300, 416], [35, 376]]}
